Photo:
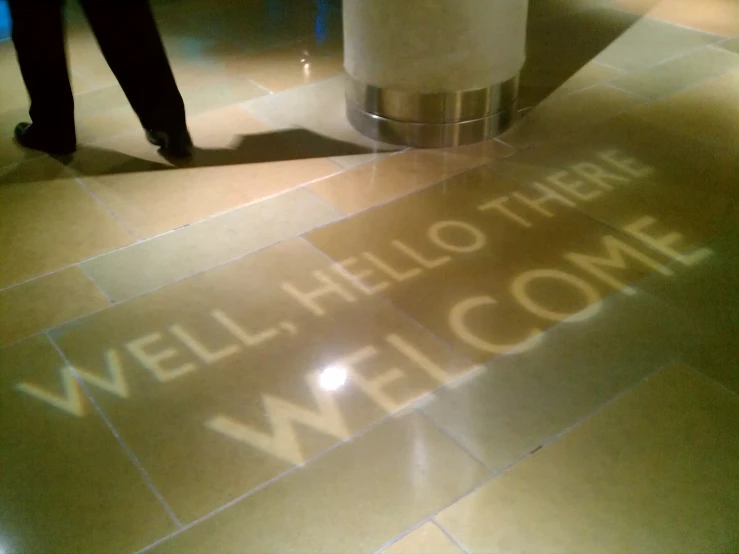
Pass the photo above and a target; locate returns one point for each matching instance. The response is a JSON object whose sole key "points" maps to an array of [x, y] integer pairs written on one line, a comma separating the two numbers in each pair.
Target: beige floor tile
{"points": [[67, 485], [238, 160], [321, 109], [709, 111], [639, 7], [10, 118], [390, 177], [47, 302], [500, 261], [523, 400], [656, 471], [353, 161], [488, 150], [173, 256], [10, 152], [561, 48], [567, 114], [221, 92], [87, 63], [681, 183], [730, 45], [291, 66], [101, 125], [649, 42], [353, 499], [240, 373], [590, 75], [48, 221], [13, 93], [719, 358], [720, 17], [708, 292], [680, 73], [427, 539]]}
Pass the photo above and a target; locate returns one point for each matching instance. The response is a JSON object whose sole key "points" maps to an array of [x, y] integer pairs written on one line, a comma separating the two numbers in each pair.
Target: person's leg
{"points": [[38, 36], [130, 41]]}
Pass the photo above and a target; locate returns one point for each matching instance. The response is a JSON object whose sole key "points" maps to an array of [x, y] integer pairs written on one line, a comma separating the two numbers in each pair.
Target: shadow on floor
{"points": [[277, 146], [559, 43]]}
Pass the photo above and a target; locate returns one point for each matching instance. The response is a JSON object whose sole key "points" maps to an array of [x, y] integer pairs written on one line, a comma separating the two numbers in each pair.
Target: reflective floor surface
{"points": [[306, 341]]}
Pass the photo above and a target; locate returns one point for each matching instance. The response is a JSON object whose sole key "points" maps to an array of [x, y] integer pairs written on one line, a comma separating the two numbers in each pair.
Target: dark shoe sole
{"points": [[179, 146], [24, 137]]}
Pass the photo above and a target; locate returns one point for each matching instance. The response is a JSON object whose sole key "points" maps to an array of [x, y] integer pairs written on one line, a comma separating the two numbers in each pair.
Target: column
{"points": [[433, 73]]}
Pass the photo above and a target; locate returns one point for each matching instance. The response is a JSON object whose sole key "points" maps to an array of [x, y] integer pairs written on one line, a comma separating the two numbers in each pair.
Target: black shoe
{"points": [[33, 137], [175, 144]]}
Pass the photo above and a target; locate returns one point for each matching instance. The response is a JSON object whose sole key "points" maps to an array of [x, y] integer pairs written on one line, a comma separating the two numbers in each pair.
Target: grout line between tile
{"points": [[401, 536], [112, 214], [122, 443], [664, 21], [715, 381], [264, 485], [550, 440], [448, 435], [97, 286], [118, 302], [138, 241], [450, 536]]}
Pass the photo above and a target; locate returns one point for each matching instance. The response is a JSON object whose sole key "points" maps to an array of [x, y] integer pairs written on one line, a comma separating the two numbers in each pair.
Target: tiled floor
{"points": [[306, 341]]}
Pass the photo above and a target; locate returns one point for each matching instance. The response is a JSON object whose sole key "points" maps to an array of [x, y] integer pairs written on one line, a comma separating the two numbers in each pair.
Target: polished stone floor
{"points": [[306, 341]]}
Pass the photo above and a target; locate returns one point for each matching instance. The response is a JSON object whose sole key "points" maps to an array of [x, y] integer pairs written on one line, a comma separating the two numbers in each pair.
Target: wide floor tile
{"points": [[390, 177], [354, 499], [238, 374], [708, 292], [590, 75], [293, 65], [522, 400], [565, 114], [679, 73], [649, 42], [718, 358], [238, 160], [66, 484], [49, 221], [564, 43], [427, 539], [720, 17], [173, 256], [10, 152], [709, 111], [731, 45], [484, 262], [641, 178], [656, 471], [46, 302], [639, 7], [320, 109], [13, 94]]}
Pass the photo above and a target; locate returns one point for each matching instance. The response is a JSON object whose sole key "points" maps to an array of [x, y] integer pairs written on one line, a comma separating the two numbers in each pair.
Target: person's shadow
{"points": [[276, 146]]}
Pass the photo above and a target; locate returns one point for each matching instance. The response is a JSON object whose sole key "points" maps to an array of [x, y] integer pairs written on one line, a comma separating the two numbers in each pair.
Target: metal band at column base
{"points": [[430, 135], [431, 120]]}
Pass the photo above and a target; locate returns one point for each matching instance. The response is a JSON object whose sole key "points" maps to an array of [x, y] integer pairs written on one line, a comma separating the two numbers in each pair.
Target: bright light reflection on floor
{"points": [[333, 378]]}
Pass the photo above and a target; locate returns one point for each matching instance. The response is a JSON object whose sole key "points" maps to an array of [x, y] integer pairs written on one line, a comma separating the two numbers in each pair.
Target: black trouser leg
{"points": [[38, 36], [130, 41]]}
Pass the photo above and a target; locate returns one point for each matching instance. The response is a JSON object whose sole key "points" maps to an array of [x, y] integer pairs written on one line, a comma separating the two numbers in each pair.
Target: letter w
{"points": [[283, 415], [72, 401]]}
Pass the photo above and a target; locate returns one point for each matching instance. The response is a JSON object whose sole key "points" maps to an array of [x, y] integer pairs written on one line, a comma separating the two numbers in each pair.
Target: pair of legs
{"points": [[129, 40]]}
